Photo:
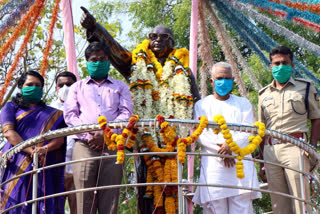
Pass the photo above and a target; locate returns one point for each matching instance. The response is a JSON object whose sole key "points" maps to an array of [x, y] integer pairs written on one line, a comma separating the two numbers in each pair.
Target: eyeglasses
{"points": [[162, 36]]}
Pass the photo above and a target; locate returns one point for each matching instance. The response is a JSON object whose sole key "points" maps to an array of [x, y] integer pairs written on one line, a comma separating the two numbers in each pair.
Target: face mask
{"points": [[98, 70], [63, 92], [32, 94], [223, 86], [282, 73]]}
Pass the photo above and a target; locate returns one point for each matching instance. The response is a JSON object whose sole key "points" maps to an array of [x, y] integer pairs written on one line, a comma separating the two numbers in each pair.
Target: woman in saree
{"points": [[27, 116]]}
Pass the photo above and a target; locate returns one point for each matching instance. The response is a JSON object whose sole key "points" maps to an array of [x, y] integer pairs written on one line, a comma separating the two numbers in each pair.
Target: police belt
{"points": [[299, 135]]}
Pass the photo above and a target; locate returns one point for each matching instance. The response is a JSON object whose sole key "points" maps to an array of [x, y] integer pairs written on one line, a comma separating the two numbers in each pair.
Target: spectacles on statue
{"points": [[162, 36]]}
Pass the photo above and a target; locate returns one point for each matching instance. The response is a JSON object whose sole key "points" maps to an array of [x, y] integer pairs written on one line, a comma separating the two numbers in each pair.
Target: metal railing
{"points": [[151, 124]]}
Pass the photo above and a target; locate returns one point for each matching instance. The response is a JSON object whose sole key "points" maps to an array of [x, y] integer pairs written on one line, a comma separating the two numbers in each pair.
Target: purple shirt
{"points": [[87, 100]]}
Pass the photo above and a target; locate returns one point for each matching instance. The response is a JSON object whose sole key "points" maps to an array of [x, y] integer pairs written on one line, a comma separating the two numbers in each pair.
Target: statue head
{"points": [[161, 41]]}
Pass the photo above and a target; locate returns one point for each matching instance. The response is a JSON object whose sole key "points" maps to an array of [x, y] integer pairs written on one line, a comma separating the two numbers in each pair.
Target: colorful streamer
{"points": [[23, 46], [311, 6], [264, 41], [228, 54], [305, 18], [204, 52], [22, 26], [275, 27], [15, 15]]}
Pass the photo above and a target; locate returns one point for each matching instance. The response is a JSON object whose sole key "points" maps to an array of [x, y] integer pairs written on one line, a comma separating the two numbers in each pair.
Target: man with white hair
{"points": [[222, 171]]}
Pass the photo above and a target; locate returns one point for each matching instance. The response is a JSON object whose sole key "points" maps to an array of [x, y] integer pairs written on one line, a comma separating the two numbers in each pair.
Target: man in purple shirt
{"points": [[87, 100]]}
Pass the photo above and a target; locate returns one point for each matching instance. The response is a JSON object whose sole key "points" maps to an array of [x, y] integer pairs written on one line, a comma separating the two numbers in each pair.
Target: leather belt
{"points": [[272, 141]]}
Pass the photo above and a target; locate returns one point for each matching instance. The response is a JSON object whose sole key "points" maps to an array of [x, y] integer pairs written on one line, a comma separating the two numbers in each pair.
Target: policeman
{"points": [[285, 105]]}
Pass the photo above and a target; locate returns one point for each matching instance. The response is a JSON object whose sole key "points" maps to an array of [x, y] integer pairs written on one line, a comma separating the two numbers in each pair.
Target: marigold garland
{"points": [[34, 12], [111, 138], [161, 89], [22, 26], [241, 152], [50, 40], [23, 46], [183, 143]]}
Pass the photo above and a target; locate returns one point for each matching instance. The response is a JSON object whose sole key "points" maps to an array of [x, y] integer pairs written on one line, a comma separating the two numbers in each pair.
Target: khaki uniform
{"points": [[285, 111]]}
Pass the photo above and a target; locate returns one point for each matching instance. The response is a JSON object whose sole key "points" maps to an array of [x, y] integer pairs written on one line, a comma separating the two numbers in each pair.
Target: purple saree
{"points": [[29, 123]]}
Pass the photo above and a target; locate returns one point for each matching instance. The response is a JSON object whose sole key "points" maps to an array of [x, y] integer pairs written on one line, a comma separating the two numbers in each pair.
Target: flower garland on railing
{"points": [[161, 89], [183, 143], [23, 46], [46, 52], [115, 141], [240, 152]]}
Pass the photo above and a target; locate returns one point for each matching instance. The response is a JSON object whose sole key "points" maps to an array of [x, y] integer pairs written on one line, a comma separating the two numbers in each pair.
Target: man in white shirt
{"points": [[63, 82], [222, 171]]}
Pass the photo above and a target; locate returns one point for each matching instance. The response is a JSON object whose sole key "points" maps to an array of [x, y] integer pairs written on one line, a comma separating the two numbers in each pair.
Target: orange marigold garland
{"points": [[23, 46], [22, 25], [111, 138], [50, 40]]}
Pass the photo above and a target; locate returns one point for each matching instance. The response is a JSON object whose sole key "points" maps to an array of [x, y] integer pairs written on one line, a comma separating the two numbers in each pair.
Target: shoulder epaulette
{"points": [[303, 80], [263, 89]]}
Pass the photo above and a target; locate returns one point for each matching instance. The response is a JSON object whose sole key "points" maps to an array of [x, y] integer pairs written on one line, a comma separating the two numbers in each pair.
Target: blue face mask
{"points": [[223, 86]]}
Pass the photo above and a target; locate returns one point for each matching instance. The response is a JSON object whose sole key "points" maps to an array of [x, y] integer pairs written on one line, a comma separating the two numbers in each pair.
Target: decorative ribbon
{"points": [[23, 46], [69, 42], [312, 6], [221, 39], [193, 67], [275, 27], [306, 18], [204, 52]]}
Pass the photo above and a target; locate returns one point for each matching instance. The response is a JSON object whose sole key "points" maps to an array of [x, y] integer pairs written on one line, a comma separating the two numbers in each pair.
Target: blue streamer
{"points": [[15, 13], [262, 39], [291, 12]]}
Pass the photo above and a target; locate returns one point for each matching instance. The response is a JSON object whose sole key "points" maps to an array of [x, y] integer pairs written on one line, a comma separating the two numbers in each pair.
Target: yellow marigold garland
{"points": [[23, 46], [112, 139], [241, 152], [183, 143]]}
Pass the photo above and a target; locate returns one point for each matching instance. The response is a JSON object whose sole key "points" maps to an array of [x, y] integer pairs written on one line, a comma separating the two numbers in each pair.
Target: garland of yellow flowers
{"points": [[50, 40], [112, 139], [183, 143], [241, 152]]}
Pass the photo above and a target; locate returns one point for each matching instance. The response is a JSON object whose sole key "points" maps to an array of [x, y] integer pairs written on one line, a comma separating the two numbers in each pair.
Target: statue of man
{"points": [[180, 102], [161, 43]]}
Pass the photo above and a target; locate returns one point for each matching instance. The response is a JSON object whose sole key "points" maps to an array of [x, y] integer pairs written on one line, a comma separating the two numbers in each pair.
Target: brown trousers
{"points": [[69, 186], [286, 180], [85, 175]]}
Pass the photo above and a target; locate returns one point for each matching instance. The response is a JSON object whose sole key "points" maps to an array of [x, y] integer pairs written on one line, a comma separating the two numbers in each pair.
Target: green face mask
{"points": [[32, 94], [282, 73], [98, 70]]}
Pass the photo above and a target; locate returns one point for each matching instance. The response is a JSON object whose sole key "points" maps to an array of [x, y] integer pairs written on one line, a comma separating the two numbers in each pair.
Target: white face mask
{"points": [[63, 93]]}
